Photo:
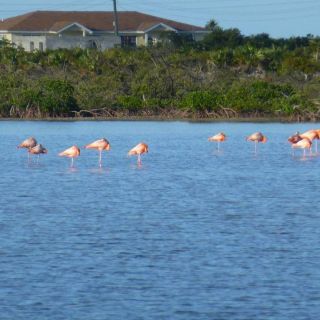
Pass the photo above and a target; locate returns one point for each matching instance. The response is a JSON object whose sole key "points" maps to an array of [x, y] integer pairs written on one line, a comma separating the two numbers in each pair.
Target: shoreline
{"points": [[161, 118]]}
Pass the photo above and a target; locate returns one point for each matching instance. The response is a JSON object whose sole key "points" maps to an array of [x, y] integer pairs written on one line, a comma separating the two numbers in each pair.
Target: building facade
{"points": [[41, 30]]}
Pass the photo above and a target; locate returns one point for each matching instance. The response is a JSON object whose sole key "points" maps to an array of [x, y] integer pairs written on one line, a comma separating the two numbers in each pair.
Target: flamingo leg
{"points": [[304, 153], [100, 158], [218, 146], [255, 147], [316, 146], [139, 158], [72, 162]]}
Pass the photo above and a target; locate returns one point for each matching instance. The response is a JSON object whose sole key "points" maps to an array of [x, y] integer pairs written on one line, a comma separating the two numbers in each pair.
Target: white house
{"points": [[89, 29]]}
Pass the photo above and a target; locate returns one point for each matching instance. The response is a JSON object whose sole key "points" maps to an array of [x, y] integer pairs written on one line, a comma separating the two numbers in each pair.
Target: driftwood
{"points": [[94, 112]]}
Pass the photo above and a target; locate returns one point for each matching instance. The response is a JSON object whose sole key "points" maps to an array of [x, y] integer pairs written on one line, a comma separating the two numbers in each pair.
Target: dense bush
{"points": [[56, 97], [225, 75]]}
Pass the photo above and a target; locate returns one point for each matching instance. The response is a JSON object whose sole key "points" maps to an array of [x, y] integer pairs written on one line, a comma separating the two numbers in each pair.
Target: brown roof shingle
{"points": [[44, 21]]}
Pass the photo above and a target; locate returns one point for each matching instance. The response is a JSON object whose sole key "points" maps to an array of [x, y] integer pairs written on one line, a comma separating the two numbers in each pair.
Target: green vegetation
{"points": [[227, 75]]}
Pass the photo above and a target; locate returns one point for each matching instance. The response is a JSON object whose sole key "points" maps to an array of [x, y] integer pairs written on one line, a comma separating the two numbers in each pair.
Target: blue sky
{"points": [[279, 18]]}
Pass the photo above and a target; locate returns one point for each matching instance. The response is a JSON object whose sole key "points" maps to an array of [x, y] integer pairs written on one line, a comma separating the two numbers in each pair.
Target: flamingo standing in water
{"points": [[28, 144], [219, 137], [294, 139], [38, 149], [256, 138], [310, 135], [139, 149], [304, 144], [71, 152], [102, 144]]}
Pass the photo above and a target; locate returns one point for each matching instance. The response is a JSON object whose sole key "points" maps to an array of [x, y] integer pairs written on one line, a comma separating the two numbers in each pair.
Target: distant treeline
{"points": [[227, 75]]}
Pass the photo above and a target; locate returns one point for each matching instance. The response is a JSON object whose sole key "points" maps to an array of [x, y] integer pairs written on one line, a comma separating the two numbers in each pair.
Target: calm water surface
{"points": [[191, 234]]}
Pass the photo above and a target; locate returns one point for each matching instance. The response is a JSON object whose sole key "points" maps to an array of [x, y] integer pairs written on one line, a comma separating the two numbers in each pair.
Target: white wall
{"points": [[78, 41], [24, 41], [198, 36], [65, 41], [75, 40]]}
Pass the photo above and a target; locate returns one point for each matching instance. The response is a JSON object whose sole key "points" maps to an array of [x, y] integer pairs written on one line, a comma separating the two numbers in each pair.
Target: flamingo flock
{"points": [[254, 137], [74, 151], [33, 147], [304, 140], [298, 140]]}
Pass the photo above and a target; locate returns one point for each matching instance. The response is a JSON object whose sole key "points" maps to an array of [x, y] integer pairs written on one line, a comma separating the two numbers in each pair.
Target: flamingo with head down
{"points": [[219, 137], [256, 138], [311, 135], [304, 144], [295, 138], [138, 150], [72, 152], [38, 149], [102, 144], [28, 144]]}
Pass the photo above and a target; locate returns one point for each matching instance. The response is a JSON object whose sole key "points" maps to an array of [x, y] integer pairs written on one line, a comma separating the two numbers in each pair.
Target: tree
{"points": [[261, 40], [220, 38], [212, 25]]}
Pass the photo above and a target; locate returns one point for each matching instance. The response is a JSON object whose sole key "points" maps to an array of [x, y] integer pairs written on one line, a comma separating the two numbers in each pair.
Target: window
{"points": [[31, 46], [128, 41], [41, 46]]}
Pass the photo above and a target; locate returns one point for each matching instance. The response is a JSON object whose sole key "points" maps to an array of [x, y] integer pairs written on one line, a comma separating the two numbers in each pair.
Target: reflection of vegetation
{"points": [[225, 75]]}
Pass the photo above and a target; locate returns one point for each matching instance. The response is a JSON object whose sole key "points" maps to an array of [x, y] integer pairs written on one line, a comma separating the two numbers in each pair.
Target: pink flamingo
{"points": [[318, 132], [139, 149], [304, 144], [256, 138], [71, 152], [295, 138], [219, 137], [102, 144], [310, 135], [38, 149], [28, 144]]}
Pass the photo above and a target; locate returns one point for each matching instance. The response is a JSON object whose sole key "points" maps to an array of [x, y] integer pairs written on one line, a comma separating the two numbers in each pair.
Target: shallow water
{"points": [[191, 234]]}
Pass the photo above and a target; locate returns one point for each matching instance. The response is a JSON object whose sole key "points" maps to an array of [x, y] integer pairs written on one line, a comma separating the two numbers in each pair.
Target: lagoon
{"points": [[191, 234]]}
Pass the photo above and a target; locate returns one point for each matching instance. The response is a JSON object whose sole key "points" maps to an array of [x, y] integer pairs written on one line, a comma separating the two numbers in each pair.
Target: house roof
{"points": [[60, 25], [146, 26], [45, 21], [63, 25]]}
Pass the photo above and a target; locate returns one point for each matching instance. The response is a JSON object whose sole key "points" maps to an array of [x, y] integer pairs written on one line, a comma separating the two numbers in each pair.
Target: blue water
{"points": [[190, 234]]}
